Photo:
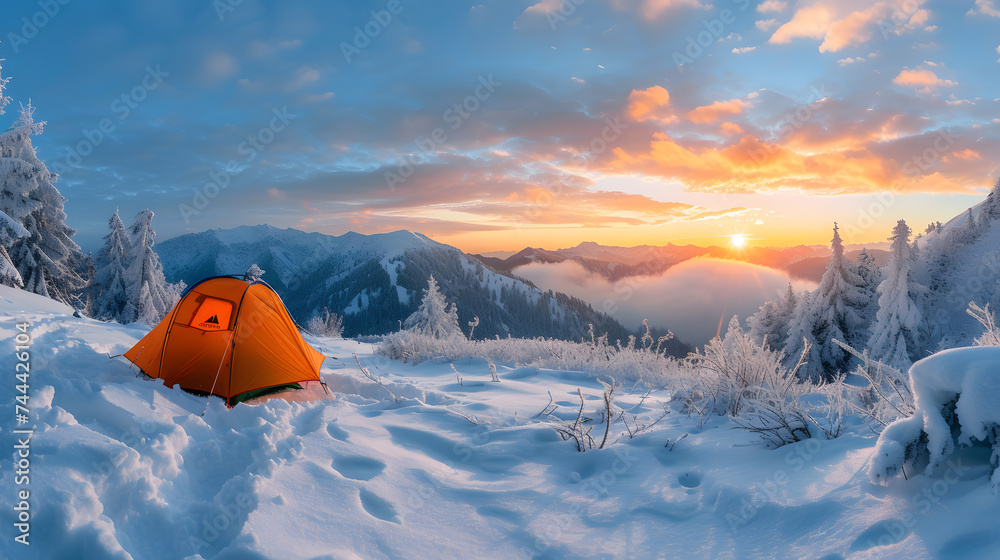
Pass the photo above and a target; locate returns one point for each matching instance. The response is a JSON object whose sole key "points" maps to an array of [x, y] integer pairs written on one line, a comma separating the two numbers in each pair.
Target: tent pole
{"points": [[326, 389], [209, 400]]}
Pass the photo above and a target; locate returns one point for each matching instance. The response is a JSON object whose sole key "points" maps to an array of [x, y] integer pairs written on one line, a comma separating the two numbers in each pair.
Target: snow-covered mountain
{"points": [[375, 281]]}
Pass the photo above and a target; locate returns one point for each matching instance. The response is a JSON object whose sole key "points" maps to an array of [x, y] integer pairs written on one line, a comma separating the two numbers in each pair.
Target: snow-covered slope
{"points": [[375, 281], [125, 468]]}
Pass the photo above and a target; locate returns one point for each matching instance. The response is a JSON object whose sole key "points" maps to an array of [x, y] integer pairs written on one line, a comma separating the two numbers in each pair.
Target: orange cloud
{"points": [[922, 80], [840, 26], [752, 165], [852, 30], [650, 104], [810, 22], [731, 129], [967, 154], [717, 110]]}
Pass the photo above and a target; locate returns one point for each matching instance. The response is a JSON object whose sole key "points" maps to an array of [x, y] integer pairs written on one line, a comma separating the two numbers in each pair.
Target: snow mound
{"points": [[956, 393]]}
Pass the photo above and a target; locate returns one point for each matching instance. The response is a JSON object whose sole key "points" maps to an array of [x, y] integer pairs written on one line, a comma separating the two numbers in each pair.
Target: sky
{"points": [[502, 124]]}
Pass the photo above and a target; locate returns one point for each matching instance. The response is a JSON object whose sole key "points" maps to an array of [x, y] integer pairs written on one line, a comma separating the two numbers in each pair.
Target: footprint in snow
{"points": [[358, 467], [884, 533], [377, 506], [689, 480], [336, 432]]}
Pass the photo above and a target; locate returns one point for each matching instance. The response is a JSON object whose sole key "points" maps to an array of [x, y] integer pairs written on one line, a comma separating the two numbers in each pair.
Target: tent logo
{"points": [[211, 323]]}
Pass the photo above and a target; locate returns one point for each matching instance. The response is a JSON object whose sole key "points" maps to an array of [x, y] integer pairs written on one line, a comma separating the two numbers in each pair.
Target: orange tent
{"points": [[228, 337]]}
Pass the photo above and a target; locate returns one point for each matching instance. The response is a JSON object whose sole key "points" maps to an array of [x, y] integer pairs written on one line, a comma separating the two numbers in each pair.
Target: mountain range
{"points": [[376, 281]]}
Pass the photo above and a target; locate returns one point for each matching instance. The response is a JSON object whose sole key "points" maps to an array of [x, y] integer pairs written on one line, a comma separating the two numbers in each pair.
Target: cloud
{"points": [[847, 61], [717, 111], [648, 9], [650, 104], [218, 67], [545, 6], [840, 27], [766, 24], [968, 155], [692, 298], [771, 6], [653, 9], [304, 76], [743, 50], [810, 22], [986, 8], [921, 80]]}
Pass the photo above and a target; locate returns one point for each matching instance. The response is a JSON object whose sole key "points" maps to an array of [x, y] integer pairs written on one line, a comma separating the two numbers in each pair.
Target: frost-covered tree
{"points": [[770, 324], [434, 317], [895, 336], [800, 337], [868, 272], [836, 311], [253, 273], [991, 207], [47, 259], [10, 229], [4, 100], [969, 230], [150, 296], [108, 291]]}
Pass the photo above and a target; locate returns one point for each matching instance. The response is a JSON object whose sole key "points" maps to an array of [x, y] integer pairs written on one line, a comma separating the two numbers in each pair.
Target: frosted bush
{"points": [[643, 360], [991, 334], [326, 324], [956, 394]]}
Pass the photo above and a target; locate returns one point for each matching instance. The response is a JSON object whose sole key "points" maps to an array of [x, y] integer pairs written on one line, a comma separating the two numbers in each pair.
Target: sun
{"points": [[738, 241]]}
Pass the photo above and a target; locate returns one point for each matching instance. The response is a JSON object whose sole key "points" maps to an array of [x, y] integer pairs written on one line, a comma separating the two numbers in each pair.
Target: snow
{"points": [[126, 468]]}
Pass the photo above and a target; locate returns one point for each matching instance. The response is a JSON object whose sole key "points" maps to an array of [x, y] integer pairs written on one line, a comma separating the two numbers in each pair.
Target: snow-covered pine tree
{"points": [[800, 334], [969, 230], [49, 262], [991, 207], [150, 296], [253, 273], [4, 100], [434, 317], [868, 271], [107, 291], [770, 324], [895, 336], [838, 311], [10, 229]]}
